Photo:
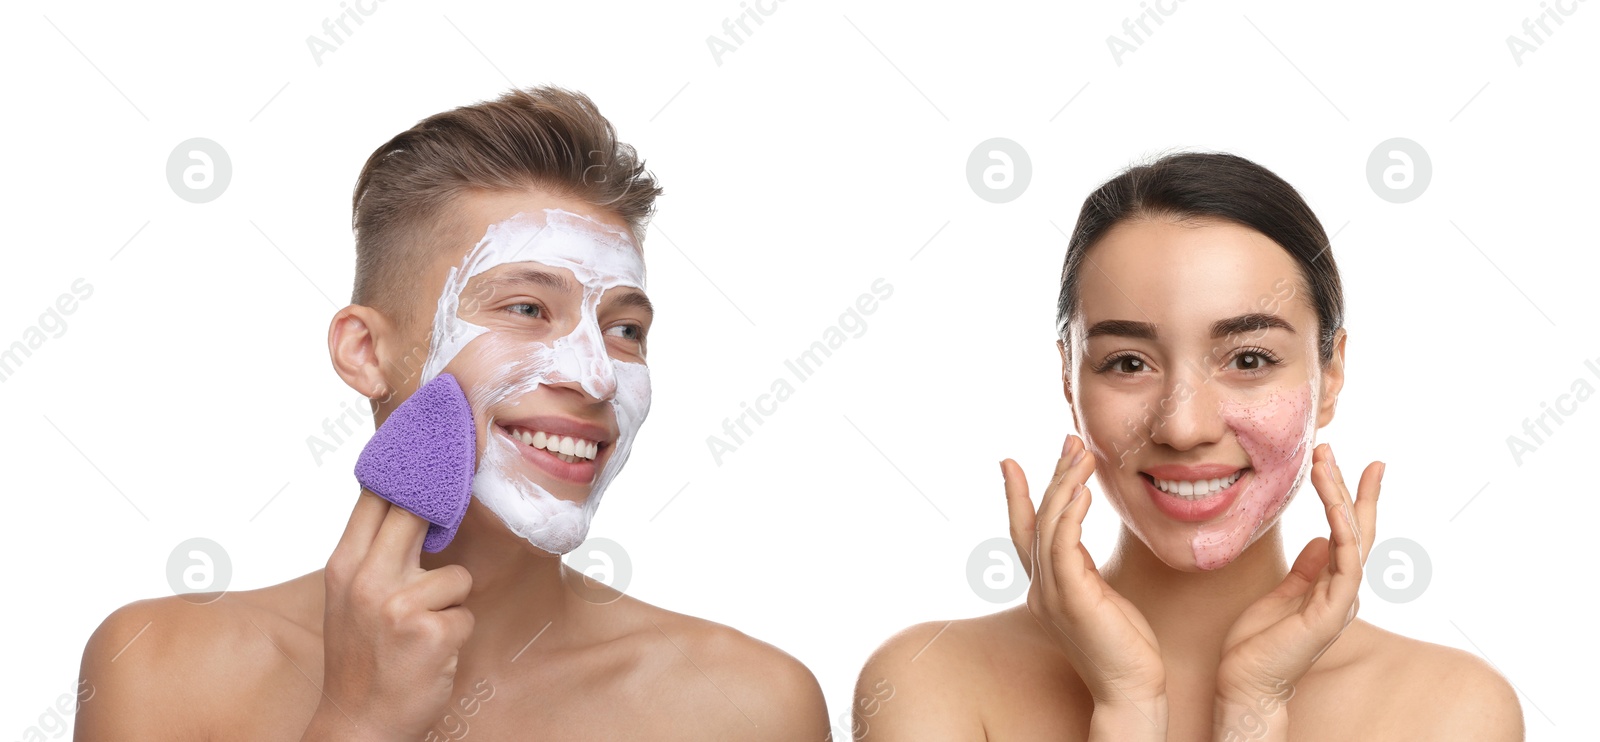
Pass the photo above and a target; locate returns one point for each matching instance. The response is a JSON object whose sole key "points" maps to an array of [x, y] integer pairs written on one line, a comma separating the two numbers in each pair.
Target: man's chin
{"points": [[526, 477]]}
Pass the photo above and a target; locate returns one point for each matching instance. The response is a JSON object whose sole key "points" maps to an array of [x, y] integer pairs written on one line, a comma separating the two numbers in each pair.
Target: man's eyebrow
{"points": [[634, 299], [521, 276], [1255, 321]]}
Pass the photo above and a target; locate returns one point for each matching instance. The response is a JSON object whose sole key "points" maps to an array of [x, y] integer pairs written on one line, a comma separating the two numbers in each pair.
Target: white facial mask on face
{"points": [[600, 258]]}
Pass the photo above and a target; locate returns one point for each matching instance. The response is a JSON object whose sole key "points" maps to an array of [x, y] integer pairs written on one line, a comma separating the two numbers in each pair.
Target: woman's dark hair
{"points": [[1195, 185]]}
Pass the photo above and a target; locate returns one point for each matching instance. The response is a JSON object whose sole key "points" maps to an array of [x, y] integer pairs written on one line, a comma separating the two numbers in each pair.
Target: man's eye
{"points": [[629, 332], [527, 310]]}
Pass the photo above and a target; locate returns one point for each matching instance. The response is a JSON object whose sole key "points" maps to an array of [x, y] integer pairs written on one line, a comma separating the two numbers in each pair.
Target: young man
{"points": [[497, 243]]}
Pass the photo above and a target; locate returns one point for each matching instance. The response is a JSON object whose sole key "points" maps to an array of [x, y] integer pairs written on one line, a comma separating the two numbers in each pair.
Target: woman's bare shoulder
{"points": [[956, 675], [960, 646], [1428, 690]]}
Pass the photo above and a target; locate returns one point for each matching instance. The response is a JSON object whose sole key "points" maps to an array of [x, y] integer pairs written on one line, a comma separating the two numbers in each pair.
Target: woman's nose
{"points": [[1189, 414]]}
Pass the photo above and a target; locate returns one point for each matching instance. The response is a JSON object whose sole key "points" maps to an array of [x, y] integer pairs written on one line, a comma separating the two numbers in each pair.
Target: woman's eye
{"points": [[1252, 360], [527, 310], [1125, 364]]}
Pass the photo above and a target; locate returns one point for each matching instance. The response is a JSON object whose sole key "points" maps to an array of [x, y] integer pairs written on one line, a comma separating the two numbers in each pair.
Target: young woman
{"points": [[1200, 322]]}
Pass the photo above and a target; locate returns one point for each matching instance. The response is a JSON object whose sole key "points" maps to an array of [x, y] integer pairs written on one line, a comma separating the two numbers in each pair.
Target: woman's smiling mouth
{"points": [[1195, 493], [1197, 489]]}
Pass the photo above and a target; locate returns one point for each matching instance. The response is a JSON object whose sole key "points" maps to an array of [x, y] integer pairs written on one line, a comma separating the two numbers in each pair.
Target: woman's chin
{"points": [[1180, 556], [1174, 544]]}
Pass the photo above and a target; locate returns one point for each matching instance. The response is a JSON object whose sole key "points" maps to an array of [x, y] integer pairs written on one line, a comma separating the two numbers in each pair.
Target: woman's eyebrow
{"points": [[1123, 328], [1252, 322], [1244, 323]]}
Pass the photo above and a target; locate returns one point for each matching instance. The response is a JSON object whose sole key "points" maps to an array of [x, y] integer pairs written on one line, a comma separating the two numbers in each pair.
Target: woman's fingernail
{"points": [[1076, 458]]}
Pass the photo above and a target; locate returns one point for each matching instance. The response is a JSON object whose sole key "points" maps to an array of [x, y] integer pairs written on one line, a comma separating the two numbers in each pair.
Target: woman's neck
{"points": [[1191, 612]]}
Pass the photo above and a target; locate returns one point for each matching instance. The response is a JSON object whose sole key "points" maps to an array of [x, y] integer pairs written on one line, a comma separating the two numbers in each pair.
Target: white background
{"points": [[823, 154]]}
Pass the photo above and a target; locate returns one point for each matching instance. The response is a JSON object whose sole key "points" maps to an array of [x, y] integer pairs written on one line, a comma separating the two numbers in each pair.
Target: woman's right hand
{"points": [[392, 631], [1103, 635]]}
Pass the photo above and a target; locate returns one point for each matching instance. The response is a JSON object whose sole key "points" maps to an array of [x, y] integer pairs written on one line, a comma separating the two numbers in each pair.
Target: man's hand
{"points": [[392, 630]]}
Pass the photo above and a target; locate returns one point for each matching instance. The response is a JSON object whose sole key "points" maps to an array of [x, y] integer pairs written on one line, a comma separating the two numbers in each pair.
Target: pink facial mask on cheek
{"points": [[1277, 433]]}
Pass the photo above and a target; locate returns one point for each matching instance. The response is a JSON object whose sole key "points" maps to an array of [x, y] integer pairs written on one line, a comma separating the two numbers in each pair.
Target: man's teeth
{"points": [[1198, 489], [565, 447]]}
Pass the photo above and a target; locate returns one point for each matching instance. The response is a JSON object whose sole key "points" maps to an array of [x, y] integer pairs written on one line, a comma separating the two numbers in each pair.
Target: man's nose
{"points": [[601, 381], [590, 363]]}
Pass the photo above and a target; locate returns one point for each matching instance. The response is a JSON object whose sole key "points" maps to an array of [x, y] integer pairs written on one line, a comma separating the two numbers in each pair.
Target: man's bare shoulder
{"points": [[774, 691], [155, 665], [1418, 689]]}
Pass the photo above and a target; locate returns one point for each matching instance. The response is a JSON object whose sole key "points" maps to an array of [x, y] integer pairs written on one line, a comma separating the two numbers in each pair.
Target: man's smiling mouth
{"points": [[569, 449]]}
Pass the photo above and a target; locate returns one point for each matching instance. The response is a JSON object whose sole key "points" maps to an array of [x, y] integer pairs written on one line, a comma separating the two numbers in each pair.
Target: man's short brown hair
{"points": [[542, 137]]}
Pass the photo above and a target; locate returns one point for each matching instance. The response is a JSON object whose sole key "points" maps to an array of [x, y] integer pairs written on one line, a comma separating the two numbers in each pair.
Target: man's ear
{"points": [[356, 338], [1332, 381]]}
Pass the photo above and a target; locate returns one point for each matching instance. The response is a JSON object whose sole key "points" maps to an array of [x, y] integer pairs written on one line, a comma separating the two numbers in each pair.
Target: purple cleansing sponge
{"points": [[421, 458]]}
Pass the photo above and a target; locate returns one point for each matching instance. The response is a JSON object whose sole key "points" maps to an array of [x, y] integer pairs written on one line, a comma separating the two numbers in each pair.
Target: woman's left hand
{"points": [[1276, 640]]}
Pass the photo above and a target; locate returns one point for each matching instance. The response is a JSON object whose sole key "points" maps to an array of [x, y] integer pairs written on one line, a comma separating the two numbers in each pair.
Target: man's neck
{"points": [[517, 591]]}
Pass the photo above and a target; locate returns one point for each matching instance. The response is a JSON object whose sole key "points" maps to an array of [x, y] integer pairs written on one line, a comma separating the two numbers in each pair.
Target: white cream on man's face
{"points": [[507, 367]]}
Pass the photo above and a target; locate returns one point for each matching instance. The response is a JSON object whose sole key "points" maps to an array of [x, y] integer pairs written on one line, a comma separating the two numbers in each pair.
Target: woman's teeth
{"points": [[566, 448], [1198, 489]]}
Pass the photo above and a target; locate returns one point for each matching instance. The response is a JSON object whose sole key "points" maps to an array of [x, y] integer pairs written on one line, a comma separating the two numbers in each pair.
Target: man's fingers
{"points": [[399, 540], [439, 589], [459, 622], [365, 518]]}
